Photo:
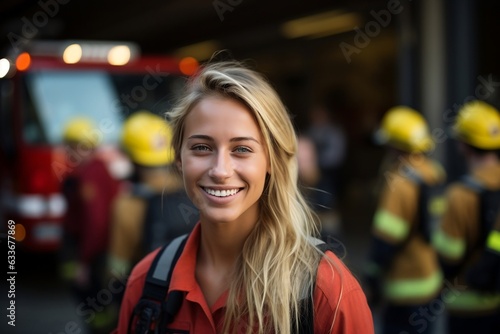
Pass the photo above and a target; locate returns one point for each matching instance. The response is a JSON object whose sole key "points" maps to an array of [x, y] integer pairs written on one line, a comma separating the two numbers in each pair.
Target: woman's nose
{"points": [[222, 166]]}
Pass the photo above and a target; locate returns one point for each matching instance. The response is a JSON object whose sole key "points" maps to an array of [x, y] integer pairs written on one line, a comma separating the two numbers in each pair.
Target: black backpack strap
{"points": [[425, 221], [489, 206], [485, 274], [490, 210], [306, 321], [152, 310], [476, 186]]}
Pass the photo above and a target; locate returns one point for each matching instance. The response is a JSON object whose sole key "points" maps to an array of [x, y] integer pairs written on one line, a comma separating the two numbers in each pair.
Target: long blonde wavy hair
{"points": [[276, 270]]}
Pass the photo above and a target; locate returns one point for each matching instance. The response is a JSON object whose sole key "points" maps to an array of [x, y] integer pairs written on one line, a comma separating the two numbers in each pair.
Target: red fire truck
{"points": [[45, 85]]}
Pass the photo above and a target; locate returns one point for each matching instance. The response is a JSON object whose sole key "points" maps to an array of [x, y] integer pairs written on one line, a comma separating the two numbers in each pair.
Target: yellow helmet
{"points": [[80, 130], [405, 129], [147, 137], [478, 124]]}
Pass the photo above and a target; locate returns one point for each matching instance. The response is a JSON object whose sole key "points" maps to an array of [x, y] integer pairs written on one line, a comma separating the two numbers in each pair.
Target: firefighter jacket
{"points": [[149, 207], [401, 259], [459, 240]]}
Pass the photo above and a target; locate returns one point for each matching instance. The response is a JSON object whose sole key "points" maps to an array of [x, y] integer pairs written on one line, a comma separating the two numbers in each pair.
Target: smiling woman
{"points": [[251, 264]]}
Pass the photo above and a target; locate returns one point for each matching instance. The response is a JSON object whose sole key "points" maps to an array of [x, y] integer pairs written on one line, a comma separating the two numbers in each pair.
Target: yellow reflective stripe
{"points": [[414, 288], [452, 248], [473, 301], [437, 206], [391, 225], [493, 241]]}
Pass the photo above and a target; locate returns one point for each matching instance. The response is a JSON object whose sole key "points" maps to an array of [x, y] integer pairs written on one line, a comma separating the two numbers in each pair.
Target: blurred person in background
{"points": [[154, 209], [402, 269], [309, 172], [92, 183], [472, 205], [330, 143]]}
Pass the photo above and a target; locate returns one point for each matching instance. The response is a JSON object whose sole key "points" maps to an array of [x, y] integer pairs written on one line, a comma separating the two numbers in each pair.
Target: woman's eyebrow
{"points": [[235, 139], [244, 139], [200, 137]]}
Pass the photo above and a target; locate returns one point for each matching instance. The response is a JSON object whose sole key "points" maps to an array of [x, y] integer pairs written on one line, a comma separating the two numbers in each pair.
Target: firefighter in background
{"points": [[155, 208], [89, 188], [403, 269], [469, 216]]}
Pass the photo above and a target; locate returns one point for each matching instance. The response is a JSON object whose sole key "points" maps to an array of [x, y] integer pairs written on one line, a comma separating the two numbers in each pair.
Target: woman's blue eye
{"points": [[242, 149], [200, 148]]}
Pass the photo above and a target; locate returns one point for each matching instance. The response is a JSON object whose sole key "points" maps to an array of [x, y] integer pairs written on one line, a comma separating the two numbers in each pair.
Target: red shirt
{"points": [[337, 297]]}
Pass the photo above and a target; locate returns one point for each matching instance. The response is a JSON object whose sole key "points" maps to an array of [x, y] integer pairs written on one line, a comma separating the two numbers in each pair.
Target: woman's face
{"points": [[224, 161]]}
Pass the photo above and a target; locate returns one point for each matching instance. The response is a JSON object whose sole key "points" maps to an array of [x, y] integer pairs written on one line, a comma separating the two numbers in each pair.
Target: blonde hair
{"points": [[276, 270]]}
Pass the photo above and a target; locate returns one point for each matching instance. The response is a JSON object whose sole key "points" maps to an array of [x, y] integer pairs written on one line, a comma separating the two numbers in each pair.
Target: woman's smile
{"points": [[221, 193]]}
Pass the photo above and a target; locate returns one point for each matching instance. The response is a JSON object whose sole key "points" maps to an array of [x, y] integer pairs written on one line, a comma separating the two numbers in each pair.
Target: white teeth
{"points": [[221, 193]]}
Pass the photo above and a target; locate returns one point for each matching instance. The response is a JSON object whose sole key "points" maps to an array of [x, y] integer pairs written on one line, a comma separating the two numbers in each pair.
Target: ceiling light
{"points": [[321, 25]]}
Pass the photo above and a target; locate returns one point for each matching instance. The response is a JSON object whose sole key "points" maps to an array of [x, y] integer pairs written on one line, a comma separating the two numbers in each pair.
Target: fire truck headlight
{"points": [[72, 54], [31, 206], [56, 205], [5, 67], [119, 55]]}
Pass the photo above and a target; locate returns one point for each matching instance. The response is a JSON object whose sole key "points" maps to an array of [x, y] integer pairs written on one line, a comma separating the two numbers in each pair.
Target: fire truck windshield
{"points": [[56, 97]]}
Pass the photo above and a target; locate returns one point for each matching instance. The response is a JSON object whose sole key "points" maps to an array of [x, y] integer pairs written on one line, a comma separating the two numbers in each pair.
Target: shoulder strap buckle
{"points": [[148, 313], [149, 309]]}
